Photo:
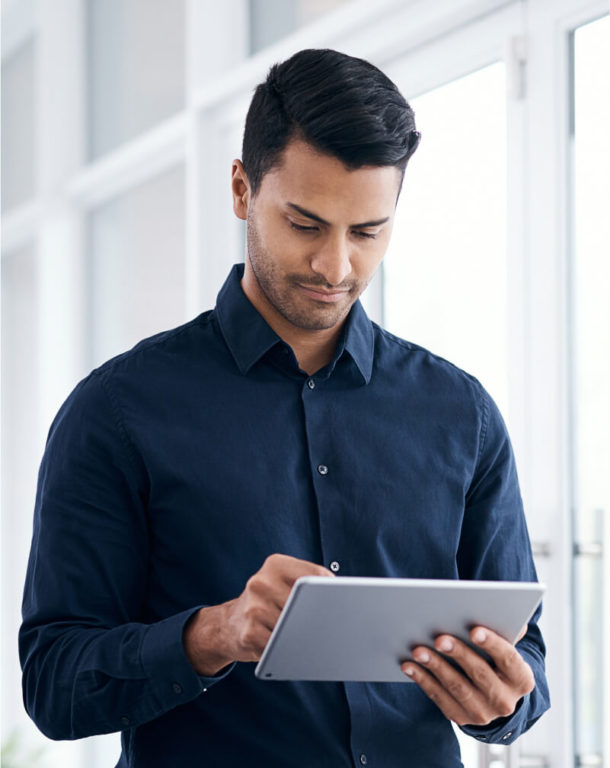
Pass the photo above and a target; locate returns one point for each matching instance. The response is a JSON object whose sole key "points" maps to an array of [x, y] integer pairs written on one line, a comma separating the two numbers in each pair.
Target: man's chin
{"points": [[318, 321]]}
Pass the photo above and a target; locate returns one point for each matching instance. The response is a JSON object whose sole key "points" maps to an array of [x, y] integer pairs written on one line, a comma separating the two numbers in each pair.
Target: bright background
{"points": [[120, 119]]}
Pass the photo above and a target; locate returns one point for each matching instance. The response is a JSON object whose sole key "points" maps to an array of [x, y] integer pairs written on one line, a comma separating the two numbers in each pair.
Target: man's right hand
{"points": [[239, 629]]}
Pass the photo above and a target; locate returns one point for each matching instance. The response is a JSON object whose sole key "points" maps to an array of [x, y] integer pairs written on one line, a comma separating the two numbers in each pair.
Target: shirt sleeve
{"points": [[90, 664], [495, 545]]}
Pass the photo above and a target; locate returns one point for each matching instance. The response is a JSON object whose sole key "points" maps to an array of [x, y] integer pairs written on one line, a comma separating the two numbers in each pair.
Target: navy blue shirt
{"points": [[173, 470]]}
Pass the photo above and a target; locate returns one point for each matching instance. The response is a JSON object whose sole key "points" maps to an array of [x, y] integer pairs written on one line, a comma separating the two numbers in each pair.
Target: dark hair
{"points": [[341, 105]]}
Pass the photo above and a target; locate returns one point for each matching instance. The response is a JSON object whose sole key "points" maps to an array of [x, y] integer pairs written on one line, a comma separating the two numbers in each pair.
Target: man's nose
{"points": [[332, 261]]}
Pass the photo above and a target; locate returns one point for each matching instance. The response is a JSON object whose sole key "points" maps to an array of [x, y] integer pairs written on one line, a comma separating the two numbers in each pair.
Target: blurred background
{"points": [[120, 119]]}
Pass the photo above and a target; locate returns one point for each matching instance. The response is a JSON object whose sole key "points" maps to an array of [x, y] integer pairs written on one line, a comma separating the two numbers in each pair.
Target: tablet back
{"points": [[349, 628]]}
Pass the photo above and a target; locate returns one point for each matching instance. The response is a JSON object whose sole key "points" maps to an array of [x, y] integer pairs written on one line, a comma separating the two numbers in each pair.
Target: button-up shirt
{"points": [[174, 469]]}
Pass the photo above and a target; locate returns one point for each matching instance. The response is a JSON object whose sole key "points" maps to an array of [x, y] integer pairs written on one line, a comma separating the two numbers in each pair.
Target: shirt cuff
{"points": [[164, 660]]}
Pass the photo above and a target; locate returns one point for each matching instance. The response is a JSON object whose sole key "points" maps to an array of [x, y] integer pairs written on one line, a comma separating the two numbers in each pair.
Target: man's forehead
{"points": [[313, 181]]}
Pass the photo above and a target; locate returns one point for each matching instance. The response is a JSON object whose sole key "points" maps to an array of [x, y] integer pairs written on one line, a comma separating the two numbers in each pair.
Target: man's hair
{"points": [[341, 105]]}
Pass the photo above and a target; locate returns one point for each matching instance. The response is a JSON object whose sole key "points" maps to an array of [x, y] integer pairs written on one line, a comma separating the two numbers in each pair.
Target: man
{"points": [[189, 482]]}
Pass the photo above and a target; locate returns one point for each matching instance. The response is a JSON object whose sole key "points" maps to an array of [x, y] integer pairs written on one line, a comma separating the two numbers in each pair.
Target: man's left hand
{"points": [[481, 694]]}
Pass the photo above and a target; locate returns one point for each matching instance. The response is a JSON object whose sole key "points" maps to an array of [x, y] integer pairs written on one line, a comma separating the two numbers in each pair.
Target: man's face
{"points": [[316, 234]]}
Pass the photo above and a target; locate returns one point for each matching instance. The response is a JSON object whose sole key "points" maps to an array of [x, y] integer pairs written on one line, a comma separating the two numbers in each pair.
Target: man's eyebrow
{"points": [[315, 217]]}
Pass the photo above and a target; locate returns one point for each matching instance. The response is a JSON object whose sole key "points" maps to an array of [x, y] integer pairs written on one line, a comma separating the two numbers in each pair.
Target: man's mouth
{"points": [[321, 295]]}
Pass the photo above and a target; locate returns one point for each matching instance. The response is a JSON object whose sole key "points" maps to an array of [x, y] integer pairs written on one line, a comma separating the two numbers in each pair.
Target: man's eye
{"points": [[300, 228], [359, 233]]}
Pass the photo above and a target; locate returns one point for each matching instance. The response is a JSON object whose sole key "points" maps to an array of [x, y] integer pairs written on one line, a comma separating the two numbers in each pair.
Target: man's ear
{"points": [[240, 188]]}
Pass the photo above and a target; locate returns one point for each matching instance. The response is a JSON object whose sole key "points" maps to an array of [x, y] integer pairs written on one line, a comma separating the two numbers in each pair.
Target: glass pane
{"points": [[136, 261], [136, 67], [20, 457], [22, 445], [270, 20], [588, 641], [591, 268], [591, 363], [445, 273], [469, 749], [18, 126], [19, 416]]}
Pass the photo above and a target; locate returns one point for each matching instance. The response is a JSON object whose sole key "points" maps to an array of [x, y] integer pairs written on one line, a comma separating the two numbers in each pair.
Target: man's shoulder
{"points": [[149, 369], [422, 361], [182, 342]]}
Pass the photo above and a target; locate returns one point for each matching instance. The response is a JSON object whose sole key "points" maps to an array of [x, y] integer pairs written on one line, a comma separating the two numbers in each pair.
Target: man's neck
{"points": [[313, 354], [312, 349]]}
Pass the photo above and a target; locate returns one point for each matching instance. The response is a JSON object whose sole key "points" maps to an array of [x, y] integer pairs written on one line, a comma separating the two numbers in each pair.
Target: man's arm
{"points": [[493, 704], [89, 664]]}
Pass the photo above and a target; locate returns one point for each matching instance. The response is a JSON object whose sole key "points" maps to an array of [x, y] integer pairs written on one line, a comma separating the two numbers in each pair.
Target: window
{"points": [[136, 261], [20, 447], [591, 372], [270, 20], [18, 126], [445, 270], [136, 66]]}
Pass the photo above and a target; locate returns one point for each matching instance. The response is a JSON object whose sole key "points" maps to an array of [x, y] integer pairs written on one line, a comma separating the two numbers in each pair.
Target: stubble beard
{"points": [[284, 295]]}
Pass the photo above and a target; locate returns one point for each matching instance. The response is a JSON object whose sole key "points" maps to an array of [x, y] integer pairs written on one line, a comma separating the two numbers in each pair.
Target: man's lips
{"points": [[319, 295]]}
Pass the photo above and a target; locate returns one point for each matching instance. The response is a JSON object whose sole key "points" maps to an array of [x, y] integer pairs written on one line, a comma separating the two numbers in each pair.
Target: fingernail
{"points": [[422, 656], [408, 671], [479, 636], [445, 644]]}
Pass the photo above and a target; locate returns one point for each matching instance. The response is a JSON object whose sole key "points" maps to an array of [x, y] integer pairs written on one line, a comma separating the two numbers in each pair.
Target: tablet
{"points": [[350, 628]]}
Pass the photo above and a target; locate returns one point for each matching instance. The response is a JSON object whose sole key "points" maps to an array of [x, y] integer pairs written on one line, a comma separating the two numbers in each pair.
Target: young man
{"points": [[189, 482]]}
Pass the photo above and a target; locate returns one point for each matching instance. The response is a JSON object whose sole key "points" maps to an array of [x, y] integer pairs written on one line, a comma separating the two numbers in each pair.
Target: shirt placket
{"points": [[325, 479]]}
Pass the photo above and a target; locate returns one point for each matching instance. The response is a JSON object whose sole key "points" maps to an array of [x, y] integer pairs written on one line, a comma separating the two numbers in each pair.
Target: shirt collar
{"points": [[360, 340], [249, 337]]}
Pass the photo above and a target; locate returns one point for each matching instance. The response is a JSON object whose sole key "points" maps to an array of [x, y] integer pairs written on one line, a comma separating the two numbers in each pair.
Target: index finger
{"points": [[509, 662], [288, 569]]}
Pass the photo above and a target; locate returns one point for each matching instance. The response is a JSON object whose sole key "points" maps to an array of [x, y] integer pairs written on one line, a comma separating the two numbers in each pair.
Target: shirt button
{"points": [[177, 688], [125, 721], [311, 383], [363, 759], [334, 566], [322, 469], [507, 735]]}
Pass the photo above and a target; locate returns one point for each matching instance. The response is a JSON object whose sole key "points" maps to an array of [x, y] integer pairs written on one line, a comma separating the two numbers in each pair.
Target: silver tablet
{"points": [[350, 628]]}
